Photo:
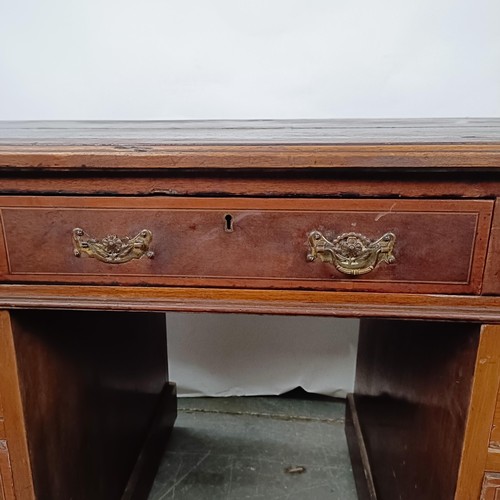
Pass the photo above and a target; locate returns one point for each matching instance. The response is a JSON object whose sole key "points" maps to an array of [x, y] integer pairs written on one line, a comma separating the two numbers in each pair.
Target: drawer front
{"points": [[6, 484], [491, 487], [438, 246], [492, 273]]}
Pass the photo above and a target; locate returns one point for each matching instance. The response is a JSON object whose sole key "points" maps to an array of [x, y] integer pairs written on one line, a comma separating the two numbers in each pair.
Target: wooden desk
{"points": [[106, 225]]}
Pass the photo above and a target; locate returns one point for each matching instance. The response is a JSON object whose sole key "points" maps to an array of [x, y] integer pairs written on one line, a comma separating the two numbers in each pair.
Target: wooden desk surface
{"points": [[461, 143], [251, 132]]}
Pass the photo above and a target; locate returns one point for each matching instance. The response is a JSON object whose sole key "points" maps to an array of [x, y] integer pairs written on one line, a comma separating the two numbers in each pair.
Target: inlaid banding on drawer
{"points": [[439, 245]]}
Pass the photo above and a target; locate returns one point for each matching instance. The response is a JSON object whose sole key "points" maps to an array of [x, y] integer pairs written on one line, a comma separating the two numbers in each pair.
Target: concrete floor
{"points": [[256, 448]]}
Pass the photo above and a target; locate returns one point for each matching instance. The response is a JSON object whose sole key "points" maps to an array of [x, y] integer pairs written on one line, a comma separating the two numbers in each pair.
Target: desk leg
{"points": [[410, 407], [96, 405]]}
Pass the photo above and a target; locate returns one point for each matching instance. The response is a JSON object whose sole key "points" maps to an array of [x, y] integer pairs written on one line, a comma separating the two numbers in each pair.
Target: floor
{"points": [[257, 448]]}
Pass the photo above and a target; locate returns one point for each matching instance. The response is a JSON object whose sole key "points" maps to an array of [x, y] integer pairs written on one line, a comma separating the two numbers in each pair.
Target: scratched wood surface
{"points": [[339, 131], [293, 302], [346, 144]]}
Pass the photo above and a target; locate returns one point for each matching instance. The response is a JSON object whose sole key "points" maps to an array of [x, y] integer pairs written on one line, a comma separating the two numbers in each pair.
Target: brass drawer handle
{"points": [[113, 249], [352, 253]]}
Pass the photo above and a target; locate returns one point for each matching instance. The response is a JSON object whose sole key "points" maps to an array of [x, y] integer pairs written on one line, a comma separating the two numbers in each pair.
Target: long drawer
{"points": [[372, 245]]}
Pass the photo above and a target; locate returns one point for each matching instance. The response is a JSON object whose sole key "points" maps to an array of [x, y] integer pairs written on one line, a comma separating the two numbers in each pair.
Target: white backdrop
{"points": [[196, 59]]}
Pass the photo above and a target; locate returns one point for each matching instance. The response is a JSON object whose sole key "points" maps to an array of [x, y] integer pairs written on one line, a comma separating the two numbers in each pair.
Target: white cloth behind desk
{"points": [[239, 354]]}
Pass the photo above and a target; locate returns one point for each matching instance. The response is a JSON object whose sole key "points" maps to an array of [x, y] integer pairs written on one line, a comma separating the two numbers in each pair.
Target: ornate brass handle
{"points": [[113, 249], [352, 253]]}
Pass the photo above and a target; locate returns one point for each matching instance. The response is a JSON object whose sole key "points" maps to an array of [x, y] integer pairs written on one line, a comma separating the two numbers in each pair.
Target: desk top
{"points": [[452, 143], [251, 132]]}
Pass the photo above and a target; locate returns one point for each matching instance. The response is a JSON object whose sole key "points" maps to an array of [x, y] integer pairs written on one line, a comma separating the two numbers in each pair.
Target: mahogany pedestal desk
{"points": [[104, 226]]}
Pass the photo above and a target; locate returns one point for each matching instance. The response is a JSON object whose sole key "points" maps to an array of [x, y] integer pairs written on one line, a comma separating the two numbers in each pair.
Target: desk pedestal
{"points": [[86, 403], [419, 423]]}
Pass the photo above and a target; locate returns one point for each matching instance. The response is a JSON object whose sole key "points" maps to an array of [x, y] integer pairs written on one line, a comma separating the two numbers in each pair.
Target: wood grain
{"points": [[386, 144], [220, 203], [480, 414], [493, 459], [293, 302], [90, 385], [146, 465], [6, 483], [4, 263], [92, 158], [273, 183], [14, 422], [492, 270], [440, 245], [412, 392], [493, 356], [427, 130], [360, 462], [491, 487], [495, 430]]}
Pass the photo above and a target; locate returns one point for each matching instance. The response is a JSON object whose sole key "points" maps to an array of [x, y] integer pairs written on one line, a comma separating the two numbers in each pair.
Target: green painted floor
{"points": [[248, 448]]}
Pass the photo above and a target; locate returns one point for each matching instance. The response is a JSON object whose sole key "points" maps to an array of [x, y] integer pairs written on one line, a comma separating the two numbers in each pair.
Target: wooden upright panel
{"points": [[492, 271], [413, 387], [480, 414], [90, 385], [16, 459]]}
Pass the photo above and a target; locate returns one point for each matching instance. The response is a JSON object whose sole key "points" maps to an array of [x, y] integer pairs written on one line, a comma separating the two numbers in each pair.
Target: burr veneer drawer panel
{"points": [[374, 245]]}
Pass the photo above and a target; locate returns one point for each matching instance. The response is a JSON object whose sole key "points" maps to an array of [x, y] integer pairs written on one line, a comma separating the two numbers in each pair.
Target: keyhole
{"points": [[228, 223]]}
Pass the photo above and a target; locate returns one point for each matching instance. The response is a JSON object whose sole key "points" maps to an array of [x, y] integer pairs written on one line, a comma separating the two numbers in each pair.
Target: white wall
{"points": [[248, 355], [164, 59], [160, 59]]}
